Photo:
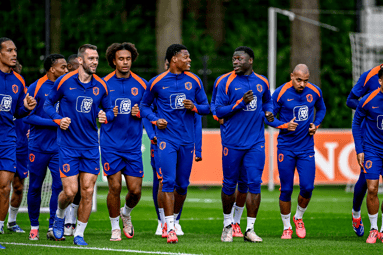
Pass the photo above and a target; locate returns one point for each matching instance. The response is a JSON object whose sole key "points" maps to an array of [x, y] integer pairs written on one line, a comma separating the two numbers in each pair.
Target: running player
{"points": [[369, 149], [43, 148], [80, 93], [241, 192], [295, 102], [13, 103], [243, 100], [121, 140], [367, 83], [21, 168], [179, 96], [157, 176]]}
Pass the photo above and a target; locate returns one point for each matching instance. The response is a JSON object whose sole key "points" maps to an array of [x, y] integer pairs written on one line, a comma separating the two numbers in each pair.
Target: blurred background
{"points": [[211, 29]]}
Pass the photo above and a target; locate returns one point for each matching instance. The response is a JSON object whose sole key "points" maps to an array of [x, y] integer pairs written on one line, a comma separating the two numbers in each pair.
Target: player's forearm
{"points": [[39, 121], [146, 112], [149, 128], [21, 112], [277, 123], [227, 110], [202, 109], [51, 111], [352, 101]]}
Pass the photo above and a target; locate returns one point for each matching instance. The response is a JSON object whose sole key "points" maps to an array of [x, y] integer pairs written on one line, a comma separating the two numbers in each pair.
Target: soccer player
{"points": [[73, 63], [241, 193], [80, 93], [121, 140], [71, 210], [243, 100], [179, 96], [43, 148], [14, 103], [21, 168], [369, 149], [295, 102], [367, 83]]}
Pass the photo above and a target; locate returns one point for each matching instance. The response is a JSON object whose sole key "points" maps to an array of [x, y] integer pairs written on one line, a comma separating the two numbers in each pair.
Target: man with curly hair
{"points": [[121, 140]]}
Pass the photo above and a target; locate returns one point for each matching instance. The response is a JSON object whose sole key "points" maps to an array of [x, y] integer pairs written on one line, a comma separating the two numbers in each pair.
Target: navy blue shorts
{"points": [[128, 162], [74, 161]]}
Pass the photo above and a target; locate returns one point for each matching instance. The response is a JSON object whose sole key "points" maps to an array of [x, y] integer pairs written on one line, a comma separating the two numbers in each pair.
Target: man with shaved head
{"points": [[295, 102]]}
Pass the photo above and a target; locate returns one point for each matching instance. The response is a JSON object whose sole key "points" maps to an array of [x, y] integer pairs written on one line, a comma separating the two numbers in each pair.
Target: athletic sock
{"points": [[373, 220], [360, 189], [34, 227], [286, 221], [232, 212], [68, 214], [79, 231], [299, 213], [227, 219], [162, 215], [115, 222], [1, 224], [175, 218], [73, 213], [170, 222], [12, 213], [238, 214], [127, 210], [355, 214], [60, 213], [250, 223]]}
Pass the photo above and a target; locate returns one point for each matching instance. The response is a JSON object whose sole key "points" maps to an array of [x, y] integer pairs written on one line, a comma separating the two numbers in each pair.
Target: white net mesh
{"points": [[367, 52]]}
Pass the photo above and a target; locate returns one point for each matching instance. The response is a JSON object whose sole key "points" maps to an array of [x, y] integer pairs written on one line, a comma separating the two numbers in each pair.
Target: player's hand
{"points": [[198, 159], [162, 123], [248, 97], [312, 129], [64, 123], [188, 104], [101, 116], [154, 140], [29, 102], [135, 110], [115, 111], [269, 116], [28, 133], [360, 158], [292, 125], [221, 121]]}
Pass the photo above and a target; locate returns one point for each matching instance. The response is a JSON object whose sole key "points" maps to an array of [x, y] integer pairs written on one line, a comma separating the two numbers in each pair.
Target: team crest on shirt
{"points": [[15, 88], [31, 157], [368, 164], [301, 113], [84, 104], [280, 157], [252, 106], [259, 88], [309, 98], [96, 91], [124, 105], [188, 85], [106, 166], [66, 168], [177, 101], [134, 91], [6, 103], [162, 145], [225, 151], [380, 122]]}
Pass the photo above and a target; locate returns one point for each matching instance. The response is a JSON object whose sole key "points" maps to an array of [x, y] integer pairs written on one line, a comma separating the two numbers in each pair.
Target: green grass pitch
{"points": [[327, 221]]}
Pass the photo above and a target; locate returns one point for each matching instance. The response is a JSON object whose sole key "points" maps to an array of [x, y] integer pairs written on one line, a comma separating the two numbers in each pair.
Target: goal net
{"points": [[46, 192]]}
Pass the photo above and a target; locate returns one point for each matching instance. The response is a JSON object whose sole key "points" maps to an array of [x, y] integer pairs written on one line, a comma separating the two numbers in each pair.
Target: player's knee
{"points": [[18, 190], [115, 188], [255, 188], [228, 187], [168, 186], [182, 190], [285, 195], [306, 193], [242, 187]]}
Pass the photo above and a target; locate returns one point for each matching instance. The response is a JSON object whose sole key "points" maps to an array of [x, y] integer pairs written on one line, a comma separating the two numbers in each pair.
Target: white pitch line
{"points": [[98, 249], [263, 200]]}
